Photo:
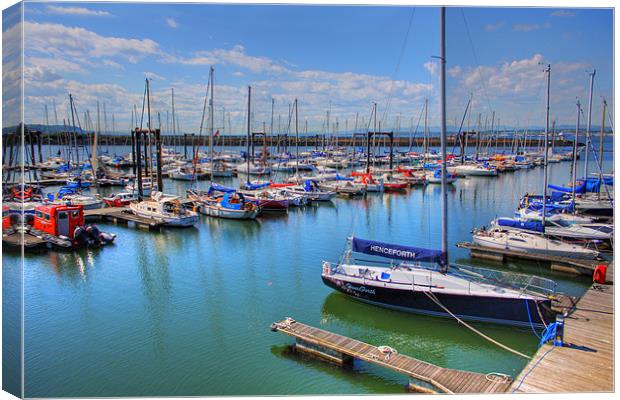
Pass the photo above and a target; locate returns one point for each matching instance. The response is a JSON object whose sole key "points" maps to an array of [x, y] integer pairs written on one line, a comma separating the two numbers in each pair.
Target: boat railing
{"points": [[523, 282]]}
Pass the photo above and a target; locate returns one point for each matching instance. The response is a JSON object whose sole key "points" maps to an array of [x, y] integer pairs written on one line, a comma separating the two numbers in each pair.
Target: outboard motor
{"points": [[81, 236], [106, 237], [93, 232]]}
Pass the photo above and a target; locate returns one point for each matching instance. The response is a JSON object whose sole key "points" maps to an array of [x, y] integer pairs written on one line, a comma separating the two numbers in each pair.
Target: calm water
{"points": [[187, 312]]}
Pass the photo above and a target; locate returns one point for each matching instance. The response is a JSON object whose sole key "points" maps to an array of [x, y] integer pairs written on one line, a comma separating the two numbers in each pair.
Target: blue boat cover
{"points": [[254, 186], [395, 251], [578, 188], [535, 226], [220, 188], [227, 204], [342, 178]]}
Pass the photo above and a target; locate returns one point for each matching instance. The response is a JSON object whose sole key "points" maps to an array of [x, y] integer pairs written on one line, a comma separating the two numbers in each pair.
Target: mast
{"points": [[602, 136], [574, 169], [478, 136], [94, 155], [296, 139], [444, 191], [585, 165], [74, 136], [425, 128], [600, 150], [211, 128], [248, 144], [546, 148]]}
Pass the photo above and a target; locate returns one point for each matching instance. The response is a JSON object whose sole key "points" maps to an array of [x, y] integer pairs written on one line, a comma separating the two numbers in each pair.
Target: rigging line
{"points": [[398, 64], [435, 300], [473, 50]]}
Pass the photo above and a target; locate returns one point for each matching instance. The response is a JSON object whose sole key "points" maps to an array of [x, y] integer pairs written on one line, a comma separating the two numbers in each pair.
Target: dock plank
{"points": [[443, 379], [585, 363]]}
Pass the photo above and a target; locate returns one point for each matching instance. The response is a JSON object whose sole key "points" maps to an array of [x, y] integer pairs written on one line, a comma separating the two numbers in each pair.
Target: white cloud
{"points": [[431, 67], [530, 27], [153, 75], [77, 11], [60, 40], [238, 73], [516, 87], [493, 27], [235, 56], [113, 64], [171, 22], [563, 13]]}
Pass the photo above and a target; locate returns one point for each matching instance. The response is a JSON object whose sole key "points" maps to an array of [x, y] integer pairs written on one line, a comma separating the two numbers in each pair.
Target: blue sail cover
{"points": [[254, 186], [395, 251], [220, 188], [580, 188], [342, 178], [535, 226]]}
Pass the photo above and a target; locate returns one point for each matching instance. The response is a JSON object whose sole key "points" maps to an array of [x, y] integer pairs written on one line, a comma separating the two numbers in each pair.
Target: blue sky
{"points": [[338, 58]]}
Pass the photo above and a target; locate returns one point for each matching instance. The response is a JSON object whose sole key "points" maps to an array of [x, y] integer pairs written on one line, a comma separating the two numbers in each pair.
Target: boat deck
{"points": [[122, 215], [557, 263], [586, 361], [440, 379]]}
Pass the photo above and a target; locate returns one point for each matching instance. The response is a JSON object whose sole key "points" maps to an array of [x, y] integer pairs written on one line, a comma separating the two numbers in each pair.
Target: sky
{"points": [[339, 59]]}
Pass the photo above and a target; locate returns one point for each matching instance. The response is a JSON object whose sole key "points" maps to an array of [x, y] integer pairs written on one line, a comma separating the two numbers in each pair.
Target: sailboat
{"points": [[420, 280]]}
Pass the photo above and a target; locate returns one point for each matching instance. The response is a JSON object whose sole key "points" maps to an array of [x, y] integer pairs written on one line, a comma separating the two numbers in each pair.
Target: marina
{"points": [[448, 256]]}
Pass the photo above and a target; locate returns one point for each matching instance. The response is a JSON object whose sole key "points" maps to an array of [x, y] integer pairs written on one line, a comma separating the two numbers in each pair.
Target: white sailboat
{"points": [[165, 208], [438, 289]]}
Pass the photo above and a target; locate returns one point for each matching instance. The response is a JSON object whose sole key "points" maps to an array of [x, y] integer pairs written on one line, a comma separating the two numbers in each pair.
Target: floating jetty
{"points": [[586, 361], [423, 376], [556, 263], [122, 215]]}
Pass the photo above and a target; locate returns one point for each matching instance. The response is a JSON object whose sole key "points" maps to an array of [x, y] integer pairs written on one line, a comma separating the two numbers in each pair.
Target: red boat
{"points": [[120, 199], [65, 223], [395, 186], [6, 218], [267, 201]]}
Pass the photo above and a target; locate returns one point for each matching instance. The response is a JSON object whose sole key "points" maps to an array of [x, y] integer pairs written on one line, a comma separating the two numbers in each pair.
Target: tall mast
{"points": [[94, 160], [546, 148], [602, 136], [248, 148], [425, 127], [211, 122], [585, 165], [74, 135], [444, 191], [574, 169], [296, 139]]}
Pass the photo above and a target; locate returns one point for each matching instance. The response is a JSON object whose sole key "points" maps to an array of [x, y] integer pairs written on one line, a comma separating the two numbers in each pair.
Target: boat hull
{"points": [[506, 311], [222, 212]]}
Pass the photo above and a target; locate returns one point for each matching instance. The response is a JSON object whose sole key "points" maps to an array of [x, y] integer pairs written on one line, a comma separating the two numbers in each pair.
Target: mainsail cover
{"points": [[535, 226], [395, 251]]}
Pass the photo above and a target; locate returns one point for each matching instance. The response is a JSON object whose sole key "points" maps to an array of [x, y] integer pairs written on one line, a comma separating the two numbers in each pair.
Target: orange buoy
{"points": [[599, 273]]}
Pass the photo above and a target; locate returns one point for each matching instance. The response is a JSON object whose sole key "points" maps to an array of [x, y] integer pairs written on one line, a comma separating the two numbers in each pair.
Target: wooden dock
{"points": [[17, 239], [122, 215], [586, 361], [556, 263], [424, 377]]}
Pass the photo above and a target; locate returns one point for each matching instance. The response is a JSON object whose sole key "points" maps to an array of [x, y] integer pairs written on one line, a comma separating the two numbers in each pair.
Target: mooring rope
{"points": [[503, 346]]}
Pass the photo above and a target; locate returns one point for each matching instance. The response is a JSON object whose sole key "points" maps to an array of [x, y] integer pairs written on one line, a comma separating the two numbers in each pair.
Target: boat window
{"points": [[38, 214], [517, 240], [75, 214], [62, 215], [46, 217]]}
